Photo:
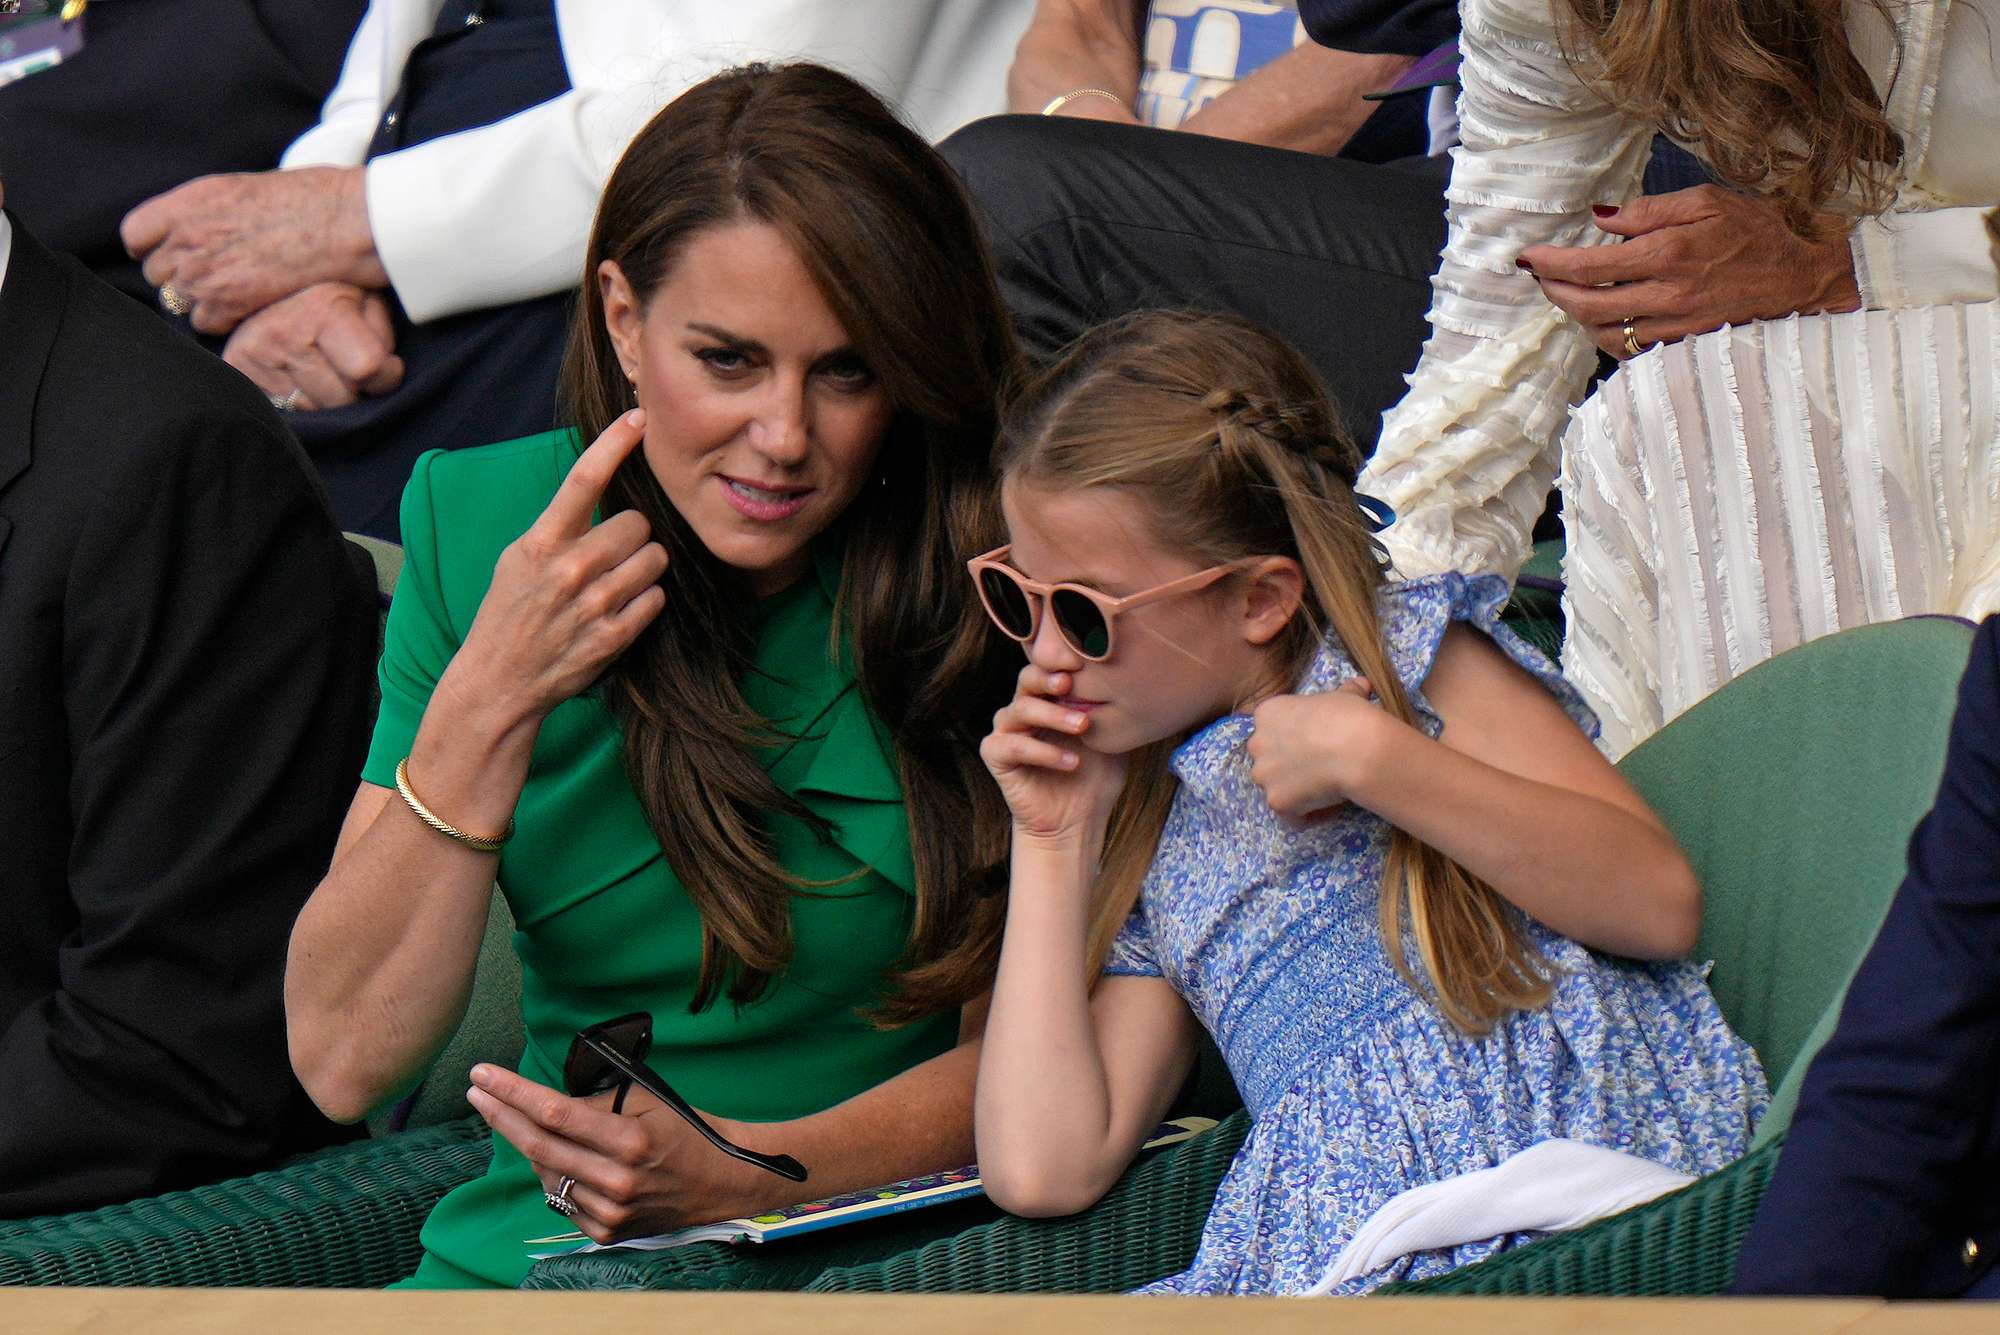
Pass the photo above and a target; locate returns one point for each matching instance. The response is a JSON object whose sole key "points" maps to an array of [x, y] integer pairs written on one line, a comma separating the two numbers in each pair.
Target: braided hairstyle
{"points": [[1234, 448]]}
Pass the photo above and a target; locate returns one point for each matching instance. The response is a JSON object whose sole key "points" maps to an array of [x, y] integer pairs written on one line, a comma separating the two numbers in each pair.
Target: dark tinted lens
{"points": [[1009, 603], [1081, 622], [586, 1071]]}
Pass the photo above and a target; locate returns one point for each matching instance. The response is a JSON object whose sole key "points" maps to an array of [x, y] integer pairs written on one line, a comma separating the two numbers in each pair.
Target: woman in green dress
{"points": [[713, 673]]}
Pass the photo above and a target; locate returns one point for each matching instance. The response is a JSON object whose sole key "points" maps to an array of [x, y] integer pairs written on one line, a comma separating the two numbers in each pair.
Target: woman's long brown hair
{"points": [[1768, 92], [881, 223], [1232, 444]]}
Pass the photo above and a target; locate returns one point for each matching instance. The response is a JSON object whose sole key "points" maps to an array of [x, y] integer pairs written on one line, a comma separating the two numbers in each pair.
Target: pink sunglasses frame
{"points": [[1038, 595]]}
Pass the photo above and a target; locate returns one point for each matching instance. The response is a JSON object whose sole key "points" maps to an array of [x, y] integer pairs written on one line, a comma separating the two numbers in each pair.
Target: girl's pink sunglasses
{"points": [[1084, 616]]}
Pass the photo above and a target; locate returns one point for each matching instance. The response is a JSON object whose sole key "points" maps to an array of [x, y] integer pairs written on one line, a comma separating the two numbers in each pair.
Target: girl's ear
{"points": [[624, 320], [1273, 589]]}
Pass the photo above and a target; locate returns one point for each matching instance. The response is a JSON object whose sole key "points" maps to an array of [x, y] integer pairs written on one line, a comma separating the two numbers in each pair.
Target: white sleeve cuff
{"points": [[1932, 258], [342, 143]]}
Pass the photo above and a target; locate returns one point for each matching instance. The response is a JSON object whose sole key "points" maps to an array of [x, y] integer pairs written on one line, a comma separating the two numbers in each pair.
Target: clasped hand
{"points": [[321, 348], [231, 245], [1693, 261], [637, 1172], [1307, 752]]}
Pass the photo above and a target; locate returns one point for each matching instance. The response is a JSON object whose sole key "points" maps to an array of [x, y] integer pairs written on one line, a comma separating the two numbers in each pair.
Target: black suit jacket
{"points": [[1889, 1182], [184, 648]]}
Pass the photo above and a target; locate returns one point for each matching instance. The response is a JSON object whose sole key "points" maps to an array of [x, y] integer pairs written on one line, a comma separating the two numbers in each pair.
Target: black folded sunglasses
{"points": [[612, 1056]]}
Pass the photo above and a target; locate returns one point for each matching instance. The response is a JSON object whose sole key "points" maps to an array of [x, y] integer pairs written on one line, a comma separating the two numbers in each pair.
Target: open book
{"points": [[792, 1220]]}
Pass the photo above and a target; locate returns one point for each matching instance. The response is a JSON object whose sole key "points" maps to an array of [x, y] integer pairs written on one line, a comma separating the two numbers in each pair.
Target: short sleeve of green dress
{"points": [[605, 927]]}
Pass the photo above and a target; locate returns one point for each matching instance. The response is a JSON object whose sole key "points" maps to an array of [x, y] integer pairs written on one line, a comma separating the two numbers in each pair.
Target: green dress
{"points": [[605, 927]]}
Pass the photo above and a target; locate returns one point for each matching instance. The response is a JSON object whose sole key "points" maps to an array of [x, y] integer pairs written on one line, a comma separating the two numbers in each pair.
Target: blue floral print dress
{"points": [[1358, 1087]]}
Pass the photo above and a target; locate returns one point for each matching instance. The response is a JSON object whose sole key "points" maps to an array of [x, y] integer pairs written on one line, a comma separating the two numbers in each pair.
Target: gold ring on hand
{"points": [[1632, 346], [172, 302]]}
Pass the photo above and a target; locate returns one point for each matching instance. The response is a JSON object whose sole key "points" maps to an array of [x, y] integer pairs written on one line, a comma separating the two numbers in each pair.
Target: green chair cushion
{"points": [[1794, 791]]}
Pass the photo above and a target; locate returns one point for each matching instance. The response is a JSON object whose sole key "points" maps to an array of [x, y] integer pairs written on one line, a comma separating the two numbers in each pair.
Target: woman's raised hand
{"points": [[1055, 788], [568, 596]]}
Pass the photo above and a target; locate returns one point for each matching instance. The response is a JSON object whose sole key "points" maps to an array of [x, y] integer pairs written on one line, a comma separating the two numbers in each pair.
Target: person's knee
{"points": [[1015, 167]]}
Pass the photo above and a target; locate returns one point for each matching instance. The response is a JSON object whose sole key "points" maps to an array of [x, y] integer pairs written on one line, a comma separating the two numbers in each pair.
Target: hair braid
{"points": [[1238, 450]]}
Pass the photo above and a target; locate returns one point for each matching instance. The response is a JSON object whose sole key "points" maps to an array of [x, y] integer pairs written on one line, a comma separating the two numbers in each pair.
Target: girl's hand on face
{"points": [[1056, 788], [567, 596], [1307, 752]]}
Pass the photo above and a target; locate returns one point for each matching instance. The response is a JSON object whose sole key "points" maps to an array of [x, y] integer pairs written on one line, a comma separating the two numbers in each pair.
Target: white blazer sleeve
{"points": [[387, 34], [1468, 457], [1930, 258], [502, 213]]}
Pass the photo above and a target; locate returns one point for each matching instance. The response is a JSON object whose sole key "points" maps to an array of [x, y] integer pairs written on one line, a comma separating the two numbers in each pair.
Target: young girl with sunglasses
{"points": [[1354, 828]]}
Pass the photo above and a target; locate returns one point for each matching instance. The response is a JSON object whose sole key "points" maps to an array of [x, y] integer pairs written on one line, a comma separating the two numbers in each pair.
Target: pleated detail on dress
{"points": [[1734, 495]]}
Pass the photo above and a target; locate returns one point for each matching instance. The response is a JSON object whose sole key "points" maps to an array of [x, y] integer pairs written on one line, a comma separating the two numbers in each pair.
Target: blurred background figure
{"points": [[405, 282], [1236, 69], [185, 643], [159, 93], [1284, 195]]}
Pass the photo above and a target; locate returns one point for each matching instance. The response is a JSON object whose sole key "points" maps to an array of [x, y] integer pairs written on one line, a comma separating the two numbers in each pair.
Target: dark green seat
{"points": [[1793, 789]]}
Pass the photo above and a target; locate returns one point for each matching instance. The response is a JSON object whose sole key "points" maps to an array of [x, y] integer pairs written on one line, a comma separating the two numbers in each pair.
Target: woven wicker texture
{"points": [[1147, 1227], [343, 1218], [779, 1266], [1680, 1244], [1176, 1185]]}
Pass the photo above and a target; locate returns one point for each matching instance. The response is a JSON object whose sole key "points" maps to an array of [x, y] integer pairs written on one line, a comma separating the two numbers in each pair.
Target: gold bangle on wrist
{"points": [[476, 843], [1061, 100]]}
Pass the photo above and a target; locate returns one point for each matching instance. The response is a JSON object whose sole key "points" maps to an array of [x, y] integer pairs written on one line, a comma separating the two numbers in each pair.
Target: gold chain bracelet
{"points": [[444, 827], [1061, 100]]}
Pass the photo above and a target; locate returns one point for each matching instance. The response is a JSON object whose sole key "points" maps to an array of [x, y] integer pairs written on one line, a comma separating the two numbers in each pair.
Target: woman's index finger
{"points": [[583, 488], [555, 1113]]}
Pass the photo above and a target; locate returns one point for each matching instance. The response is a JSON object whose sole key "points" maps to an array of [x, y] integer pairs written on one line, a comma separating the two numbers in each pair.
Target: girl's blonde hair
{"points": [[1233, 446]]}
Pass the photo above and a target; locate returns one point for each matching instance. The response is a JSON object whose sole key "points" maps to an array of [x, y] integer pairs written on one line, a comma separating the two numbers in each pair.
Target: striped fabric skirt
{"points": [[1733, 495]]}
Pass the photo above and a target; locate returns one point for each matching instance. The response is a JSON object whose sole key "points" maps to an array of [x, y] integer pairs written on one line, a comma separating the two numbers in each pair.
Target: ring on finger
{"points": [[284, 403], [1632, 345], [559, 1201], [172, 302]]}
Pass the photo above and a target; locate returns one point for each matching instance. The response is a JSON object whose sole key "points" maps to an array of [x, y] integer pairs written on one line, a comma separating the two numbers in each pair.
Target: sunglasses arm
{"points": [[784, 1165]]}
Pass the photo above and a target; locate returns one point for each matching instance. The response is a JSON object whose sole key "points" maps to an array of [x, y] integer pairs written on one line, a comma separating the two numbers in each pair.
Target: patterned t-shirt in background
{"points": [[1197, 50]]}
